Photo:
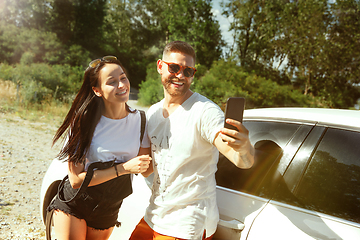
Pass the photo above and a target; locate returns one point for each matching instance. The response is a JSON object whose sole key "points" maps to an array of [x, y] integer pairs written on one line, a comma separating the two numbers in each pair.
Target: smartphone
{"points": [[234, 110]]}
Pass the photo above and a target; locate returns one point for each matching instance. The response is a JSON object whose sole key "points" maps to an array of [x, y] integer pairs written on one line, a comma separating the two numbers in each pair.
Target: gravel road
{"points": [[25, 154]]}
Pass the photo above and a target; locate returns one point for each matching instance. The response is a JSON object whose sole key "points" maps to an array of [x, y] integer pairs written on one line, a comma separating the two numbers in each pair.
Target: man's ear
{"points": [[97, 91], [159, 66]]}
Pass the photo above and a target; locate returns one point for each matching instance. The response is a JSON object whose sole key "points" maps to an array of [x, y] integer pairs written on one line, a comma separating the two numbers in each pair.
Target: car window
{"points": [[278, 132], [268, 138], [331, 183]]}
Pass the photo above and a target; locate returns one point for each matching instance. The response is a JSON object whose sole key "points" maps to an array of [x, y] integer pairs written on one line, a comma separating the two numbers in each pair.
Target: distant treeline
{"points": [[284, 53]]}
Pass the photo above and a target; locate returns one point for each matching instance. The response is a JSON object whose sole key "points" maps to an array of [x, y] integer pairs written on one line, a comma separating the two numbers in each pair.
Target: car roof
{"points": [[322, 116]]}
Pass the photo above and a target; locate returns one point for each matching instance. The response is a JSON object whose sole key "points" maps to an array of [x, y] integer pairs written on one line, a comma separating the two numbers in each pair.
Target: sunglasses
{"points": [[95, 62], [176, 68]]}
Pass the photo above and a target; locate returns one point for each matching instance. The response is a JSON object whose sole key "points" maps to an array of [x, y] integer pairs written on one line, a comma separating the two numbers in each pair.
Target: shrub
{"points": [[226, 79], [76, 55], [6, 72], [34, 92], [151, 90], [40, 81], [214, 88]]}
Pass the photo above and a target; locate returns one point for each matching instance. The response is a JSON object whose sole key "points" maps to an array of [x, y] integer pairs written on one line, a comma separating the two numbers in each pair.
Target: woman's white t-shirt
{"points": [[117, 139]]}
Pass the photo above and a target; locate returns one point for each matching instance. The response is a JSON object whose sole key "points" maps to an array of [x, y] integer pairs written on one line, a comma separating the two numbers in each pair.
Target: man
{"points": [[186, 133]]}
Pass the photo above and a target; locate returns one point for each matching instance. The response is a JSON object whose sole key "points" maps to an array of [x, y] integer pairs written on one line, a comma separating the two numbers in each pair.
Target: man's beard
{"points": [[173, 91]]}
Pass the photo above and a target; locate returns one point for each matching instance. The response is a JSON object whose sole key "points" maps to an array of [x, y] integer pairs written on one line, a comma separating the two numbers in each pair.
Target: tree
{"points": [[39, 46], [341, 58], [314, 41], [24, 13], [256, 27], [187, 20], [137, 30], [126, 37], [79, 22]]}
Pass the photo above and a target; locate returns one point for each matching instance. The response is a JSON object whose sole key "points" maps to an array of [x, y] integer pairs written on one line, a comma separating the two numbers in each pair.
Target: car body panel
{"points": [[283, 222], [230, 209], [276, 220], [335, 117]]}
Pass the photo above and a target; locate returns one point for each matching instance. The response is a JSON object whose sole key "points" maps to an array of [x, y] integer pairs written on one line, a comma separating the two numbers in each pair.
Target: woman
{"points": [[100, 126]]}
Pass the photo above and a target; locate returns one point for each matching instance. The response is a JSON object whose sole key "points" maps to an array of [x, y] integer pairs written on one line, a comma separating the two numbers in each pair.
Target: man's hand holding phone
{"points": [[236, 139], [233, 141], [233, 119]]}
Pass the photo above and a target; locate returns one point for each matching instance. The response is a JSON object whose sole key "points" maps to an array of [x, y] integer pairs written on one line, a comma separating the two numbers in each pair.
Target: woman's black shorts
{"points": [[99, 205]]}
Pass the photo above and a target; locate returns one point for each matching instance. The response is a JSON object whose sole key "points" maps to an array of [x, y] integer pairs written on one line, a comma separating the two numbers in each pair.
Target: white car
{"points": [[305, 183]]}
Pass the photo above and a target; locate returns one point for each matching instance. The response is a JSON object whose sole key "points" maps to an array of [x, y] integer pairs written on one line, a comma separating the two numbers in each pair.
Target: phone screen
{"points": [[234, 110]]}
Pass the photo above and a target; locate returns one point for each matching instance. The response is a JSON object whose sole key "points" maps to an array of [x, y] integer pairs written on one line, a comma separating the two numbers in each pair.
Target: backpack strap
{"points": [[48, 223], [143, 122], [89, 173]]}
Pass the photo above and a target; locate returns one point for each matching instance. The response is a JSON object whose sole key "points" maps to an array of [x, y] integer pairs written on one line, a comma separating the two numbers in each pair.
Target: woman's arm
{"points": [[139, 164], [147, 151], [76, 174]]}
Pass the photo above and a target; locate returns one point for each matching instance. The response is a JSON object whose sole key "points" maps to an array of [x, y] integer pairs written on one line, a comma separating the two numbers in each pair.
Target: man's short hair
{"points": [[179, 47]]}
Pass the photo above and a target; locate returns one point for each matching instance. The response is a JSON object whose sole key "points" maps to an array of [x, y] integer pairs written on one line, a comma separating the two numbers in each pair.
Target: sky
{"points": [[223, 21]]}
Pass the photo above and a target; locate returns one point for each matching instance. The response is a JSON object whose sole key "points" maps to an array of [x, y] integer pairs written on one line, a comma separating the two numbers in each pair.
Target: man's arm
{"points": [[236, 145]]}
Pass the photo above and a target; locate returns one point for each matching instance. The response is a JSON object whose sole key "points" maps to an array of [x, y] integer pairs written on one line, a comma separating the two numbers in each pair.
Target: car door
{"points": [[319, 196], [242, 194]]}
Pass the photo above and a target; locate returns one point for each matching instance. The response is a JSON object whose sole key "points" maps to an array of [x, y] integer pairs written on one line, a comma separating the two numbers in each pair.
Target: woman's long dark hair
{"points": [[83, 116]]}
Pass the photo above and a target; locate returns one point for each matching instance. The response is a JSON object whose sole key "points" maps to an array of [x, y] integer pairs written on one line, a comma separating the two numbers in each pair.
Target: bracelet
{"points": [[117, 173]]}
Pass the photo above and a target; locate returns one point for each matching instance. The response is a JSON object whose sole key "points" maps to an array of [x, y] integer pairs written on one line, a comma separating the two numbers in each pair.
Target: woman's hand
{"points": [[139, 164]]}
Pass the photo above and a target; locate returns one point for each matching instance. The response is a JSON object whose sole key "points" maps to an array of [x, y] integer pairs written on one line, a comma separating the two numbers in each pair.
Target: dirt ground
{"points": [[25, 154]]}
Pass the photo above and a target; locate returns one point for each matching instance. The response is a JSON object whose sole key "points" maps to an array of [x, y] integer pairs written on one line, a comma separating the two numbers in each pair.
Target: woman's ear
{"points": [[97, 91], [159, 66]]}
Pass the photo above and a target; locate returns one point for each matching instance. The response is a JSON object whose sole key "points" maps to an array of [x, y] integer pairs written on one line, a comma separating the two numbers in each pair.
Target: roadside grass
{"points": [[49, 112]]}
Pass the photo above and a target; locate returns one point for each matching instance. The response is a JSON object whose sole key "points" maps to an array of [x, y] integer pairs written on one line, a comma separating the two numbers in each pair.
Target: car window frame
{"points": [[299, 136], [308, 149]]}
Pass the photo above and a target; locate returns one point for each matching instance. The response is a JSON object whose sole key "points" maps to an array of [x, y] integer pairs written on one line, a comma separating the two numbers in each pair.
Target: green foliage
{"points": [[34, 92], [187, 20], [151, 90], [39, 82], [78, 22], [226, 79], [38, 46], [215, 89], [8, 42], [6, 71], [315, 41], [76, 55]]}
